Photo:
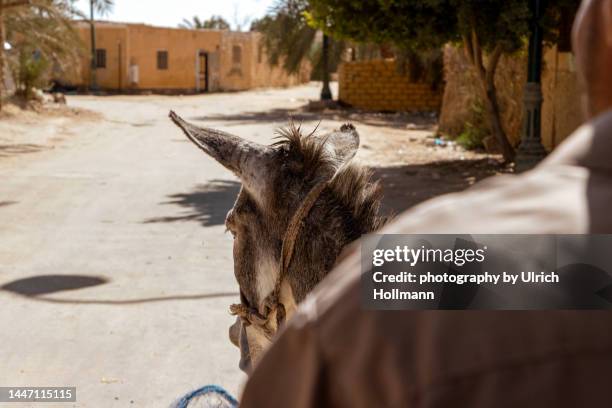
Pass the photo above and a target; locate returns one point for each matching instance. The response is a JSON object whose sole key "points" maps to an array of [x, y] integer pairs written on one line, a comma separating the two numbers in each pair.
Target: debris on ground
{"points": [[52, 105]]}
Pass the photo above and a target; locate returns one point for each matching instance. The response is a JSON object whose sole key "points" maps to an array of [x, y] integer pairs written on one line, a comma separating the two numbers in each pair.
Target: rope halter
{"points": [[252, 316]]}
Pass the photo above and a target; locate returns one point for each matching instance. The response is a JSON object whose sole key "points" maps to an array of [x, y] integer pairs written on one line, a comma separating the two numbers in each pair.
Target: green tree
{"points": [[487, 29], [101, 7], [213, 23], [6, 7], [44, 26], [29, 72], [289, 40]]}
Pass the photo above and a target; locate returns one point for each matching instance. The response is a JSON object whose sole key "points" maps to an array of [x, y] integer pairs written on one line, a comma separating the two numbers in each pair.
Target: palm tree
{"points": [[45, 24], [6, 6], [102, 7], [213, 23], [194, 23]]}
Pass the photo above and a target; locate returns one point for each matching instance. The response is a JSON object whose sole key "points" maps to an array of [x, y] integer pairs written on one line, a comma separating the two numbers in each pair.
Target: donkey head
{"points": [[275, 180]]}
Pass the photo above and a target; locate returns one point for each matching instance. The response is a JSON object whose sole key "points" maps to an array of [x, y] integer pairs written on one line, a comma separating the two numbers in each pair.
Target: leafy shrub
{"points": [[31, 71], [471, 137], [475, 130]]}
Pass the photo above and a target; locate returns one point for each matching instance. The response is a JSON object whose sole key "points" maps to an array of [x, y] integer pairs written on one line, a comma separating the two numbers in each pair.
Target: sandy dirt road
{"points": [[115, 271]]}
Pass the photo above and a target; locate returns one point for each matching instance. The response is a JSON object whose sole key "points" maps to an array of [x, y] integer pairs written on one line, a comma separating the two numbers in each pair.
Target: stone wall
{"points": [[377, 85], [462, 94], [561, 110]]}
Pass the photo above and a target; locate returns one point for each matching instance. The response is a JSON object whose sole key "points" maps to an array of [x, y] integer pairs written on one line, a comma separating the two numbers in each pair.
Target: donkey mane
{"points": [[352, 185], [357, 192]]}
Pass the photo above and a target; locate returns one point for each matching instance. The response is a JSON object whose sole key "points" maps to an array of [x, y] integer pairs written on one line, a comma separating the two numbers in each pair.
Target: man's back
{"points": [[342, 355]]}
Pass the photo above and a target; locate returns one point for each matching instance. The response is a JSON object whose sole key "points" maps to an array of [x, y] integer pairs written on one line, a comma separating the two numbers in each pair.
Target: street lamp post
{"points": [[326, 94], [93, 85], [531, 150]]}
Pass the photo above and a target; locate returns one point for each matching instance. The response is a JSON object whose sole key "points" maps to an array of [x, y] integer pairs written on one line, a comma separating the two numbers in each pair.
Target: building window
{"points": [[100, 58], [162, 59], [236, 55]]}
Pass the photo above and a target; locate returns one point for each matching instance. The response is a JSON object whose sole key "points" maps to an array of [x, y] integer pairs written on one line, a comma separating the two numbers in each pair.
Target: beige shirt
{"points": [[334, 353]]}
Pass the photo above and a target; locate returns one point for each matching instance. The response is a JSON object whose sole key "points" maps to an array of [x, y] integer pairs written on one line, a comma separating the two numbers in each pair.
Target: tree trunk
{"points": [[325, 92], [2, 57], [486, 76], [497, 129], [93, 84]]}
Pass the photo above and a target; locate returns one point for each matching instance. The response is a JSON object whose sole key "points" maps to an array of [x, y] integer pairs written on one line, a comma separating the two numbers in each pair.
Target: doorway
{"points": [[202, 71]]}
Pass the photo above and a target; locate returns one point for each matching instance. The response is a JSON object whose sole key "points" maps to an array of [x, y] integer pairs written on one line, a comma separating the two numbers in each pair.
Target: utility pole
{"points": [[93, 85], [326, 94], [531, 151], [2, 57]]}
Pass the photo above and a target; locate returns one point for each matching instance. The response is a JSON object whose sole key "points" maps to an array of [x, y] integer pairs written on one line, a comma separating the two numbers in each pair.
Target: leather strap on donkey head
{"points": [[272, 302]]}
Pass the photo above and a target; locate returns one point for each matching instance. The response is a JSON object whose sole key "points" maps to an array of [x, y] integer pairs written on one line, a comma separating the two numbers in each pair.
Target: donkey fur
{"points": [[275, 181]]}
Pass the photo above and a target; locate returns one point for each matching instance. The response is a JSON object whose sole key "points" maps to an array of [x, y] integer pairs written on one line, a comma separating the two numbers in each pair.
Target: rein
{"points": [[251, 315]]}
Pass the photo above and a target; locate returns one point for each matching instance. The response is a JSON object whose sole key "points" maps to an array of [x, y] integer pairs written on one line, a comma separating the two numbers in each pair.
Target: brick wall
{"points": [[376, 85]]}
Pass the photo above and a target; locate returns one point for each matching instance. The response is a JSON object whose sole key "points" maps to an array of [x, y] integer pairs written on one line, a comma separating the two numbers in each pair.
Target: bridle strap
{"points": [[293, 230], [272, 301]]}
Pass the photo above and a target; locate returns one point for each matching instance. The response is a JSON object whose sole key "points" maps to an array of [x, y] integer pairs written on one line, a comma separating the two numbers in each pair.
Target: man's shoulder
{"points": [[548, 199]]}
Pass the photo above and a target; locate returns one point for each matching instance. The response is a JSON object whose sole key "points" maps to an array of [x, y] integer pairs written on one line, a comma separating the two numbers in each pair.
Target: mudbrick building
{"points": [[139, 57]]}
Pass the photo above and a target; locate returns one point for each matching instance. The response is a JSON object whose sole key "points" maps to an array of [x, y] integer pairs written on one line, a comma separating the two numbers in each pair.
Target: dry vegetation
{"points": [[461, 94]]}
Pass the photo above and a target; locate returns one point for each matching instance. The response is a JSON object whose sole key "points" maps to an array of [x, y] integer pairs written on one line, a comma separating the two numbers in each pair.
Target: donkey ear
{"points": [[247, 160], [344, 142]]}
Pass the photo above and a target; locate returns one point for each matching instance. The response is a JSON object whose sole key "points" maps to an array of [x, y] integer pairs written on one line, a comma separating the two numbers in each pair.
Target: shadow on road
{"points": [[126, 302], [35, 287], [400, 120], [45, 284], [403, 187], [7, 150], [207, 204], [408, 185], [7, 203]]}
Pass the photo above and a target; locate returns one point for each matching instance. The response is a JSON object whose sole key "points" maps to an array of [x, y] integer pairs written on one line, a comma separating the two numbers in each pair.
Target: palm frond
{"points": [[45, 26], [103, 7]]}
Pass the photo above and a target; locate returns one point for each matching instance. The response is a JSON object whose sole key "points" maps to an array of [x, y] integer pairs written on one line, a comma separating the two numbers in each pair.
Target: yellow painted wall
{"points": [[137, 45], [264, 75], [182, 46], [112, 38], [236, 76]]}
